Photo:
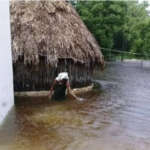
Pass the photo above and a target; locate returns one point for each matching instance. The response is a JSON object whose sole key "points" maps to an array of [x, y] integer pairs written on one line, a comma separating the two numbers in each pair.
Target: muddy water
{"points": [[117, 117]]}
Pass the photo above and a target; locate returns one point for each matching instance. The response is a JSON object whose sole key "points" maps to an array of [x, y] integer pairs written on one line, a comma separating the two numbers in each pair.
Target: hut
{"points": [[49, 37]]}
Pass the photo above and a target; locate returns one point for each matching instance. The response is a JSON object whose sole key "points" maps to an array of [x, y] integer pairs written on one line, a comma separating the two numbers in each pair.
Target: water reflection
{"points": [[114, 118]]}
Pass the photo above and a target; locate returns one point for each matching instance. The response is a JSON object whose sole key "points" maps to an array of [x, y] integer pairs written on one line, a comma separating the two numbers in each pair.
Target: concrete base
{"points": [[46, 93]]}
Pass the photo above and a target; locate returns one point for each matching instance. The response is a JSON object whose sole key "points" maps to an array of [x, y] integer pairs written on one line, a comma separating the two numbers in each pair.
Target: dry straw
{"points": [[53, 29]]}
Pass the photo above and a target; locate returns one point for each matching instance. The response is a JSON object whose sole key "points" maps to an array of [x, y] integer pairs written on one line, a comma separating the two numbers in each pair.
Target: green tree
{"points": [[103, 19], [135, 15], [141, 44], [123, 25]]}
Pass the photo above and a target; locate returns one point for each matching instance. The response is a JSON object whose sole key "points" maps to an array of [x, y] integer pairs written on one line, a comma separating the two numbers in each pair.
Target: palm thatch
{"points": [[50, 36], [52, 29]]}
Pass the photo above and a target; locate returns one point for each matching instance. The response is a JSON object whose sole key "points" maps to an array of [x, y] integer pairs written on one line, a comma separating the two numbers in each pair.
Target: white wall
{"points": [[6, 77]]}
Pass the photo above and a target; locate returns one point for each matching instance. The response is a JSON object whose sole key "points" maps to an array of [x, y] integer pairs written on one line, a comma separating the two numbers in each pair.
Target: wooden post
{"points": [[122, 56], [141, 62]]}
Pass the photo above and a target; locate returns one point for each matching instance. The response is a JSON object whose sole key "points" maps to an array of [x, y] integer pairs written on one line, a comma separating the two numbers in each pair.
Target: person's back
{"points": [[59, 91]]}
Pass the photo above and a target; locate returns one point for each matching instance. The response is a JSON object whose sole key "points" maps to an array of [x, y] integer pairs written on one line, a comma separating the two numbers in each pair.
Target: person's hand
{"points": [[79, 99]]}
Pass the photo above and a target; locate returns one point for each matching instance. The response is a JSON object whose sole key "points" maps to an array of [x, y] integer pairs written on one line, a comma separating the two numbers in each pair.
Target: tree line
{"points": [[122, 25]]}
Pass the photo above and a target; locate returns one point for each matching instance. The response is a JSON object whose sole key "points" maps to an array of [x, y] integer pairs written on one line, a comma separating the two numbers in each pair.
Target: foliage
{"points": [[122, 25], [141, 44]]}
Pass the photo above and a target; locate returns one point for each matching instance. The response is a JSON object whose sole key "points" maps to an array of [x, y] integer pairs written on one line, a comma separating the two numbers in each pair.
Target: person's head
{"points": [[62, 76], [64, 80]]}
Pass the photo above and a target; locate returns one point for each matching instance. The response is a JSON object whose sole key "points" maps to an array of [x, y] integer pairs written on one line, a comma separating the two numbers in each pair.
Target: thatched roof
{"points": [[51, 28]]}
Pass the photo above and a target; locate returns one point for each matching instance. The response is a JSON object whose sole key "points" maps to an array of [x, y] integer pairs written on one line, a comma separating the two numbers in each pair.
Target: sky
{"points": [[143, 0], [140, 1]]}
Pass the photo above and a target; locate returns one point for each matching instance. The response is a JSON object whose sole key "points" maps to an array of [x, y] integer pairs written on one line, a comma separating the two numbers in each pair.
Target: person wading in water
{"points": [[59, 86]]}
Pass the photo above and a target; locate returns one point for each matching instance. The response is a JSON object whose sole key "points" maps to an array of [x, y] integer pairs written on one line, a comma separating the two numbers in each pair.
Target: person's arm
{"points": [[70, 91], [52, 88]]}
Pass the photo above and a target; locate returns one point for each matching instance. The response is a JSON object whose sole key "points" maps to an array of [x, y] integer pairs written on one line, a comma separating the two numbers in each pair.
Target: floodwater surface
{"points": [[115, 117]]}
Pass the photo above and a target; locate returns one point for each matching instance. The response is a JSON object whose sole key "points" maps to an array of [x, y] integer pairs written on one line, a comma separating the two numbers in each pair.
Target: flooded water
{"points": [[116, 117]]}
